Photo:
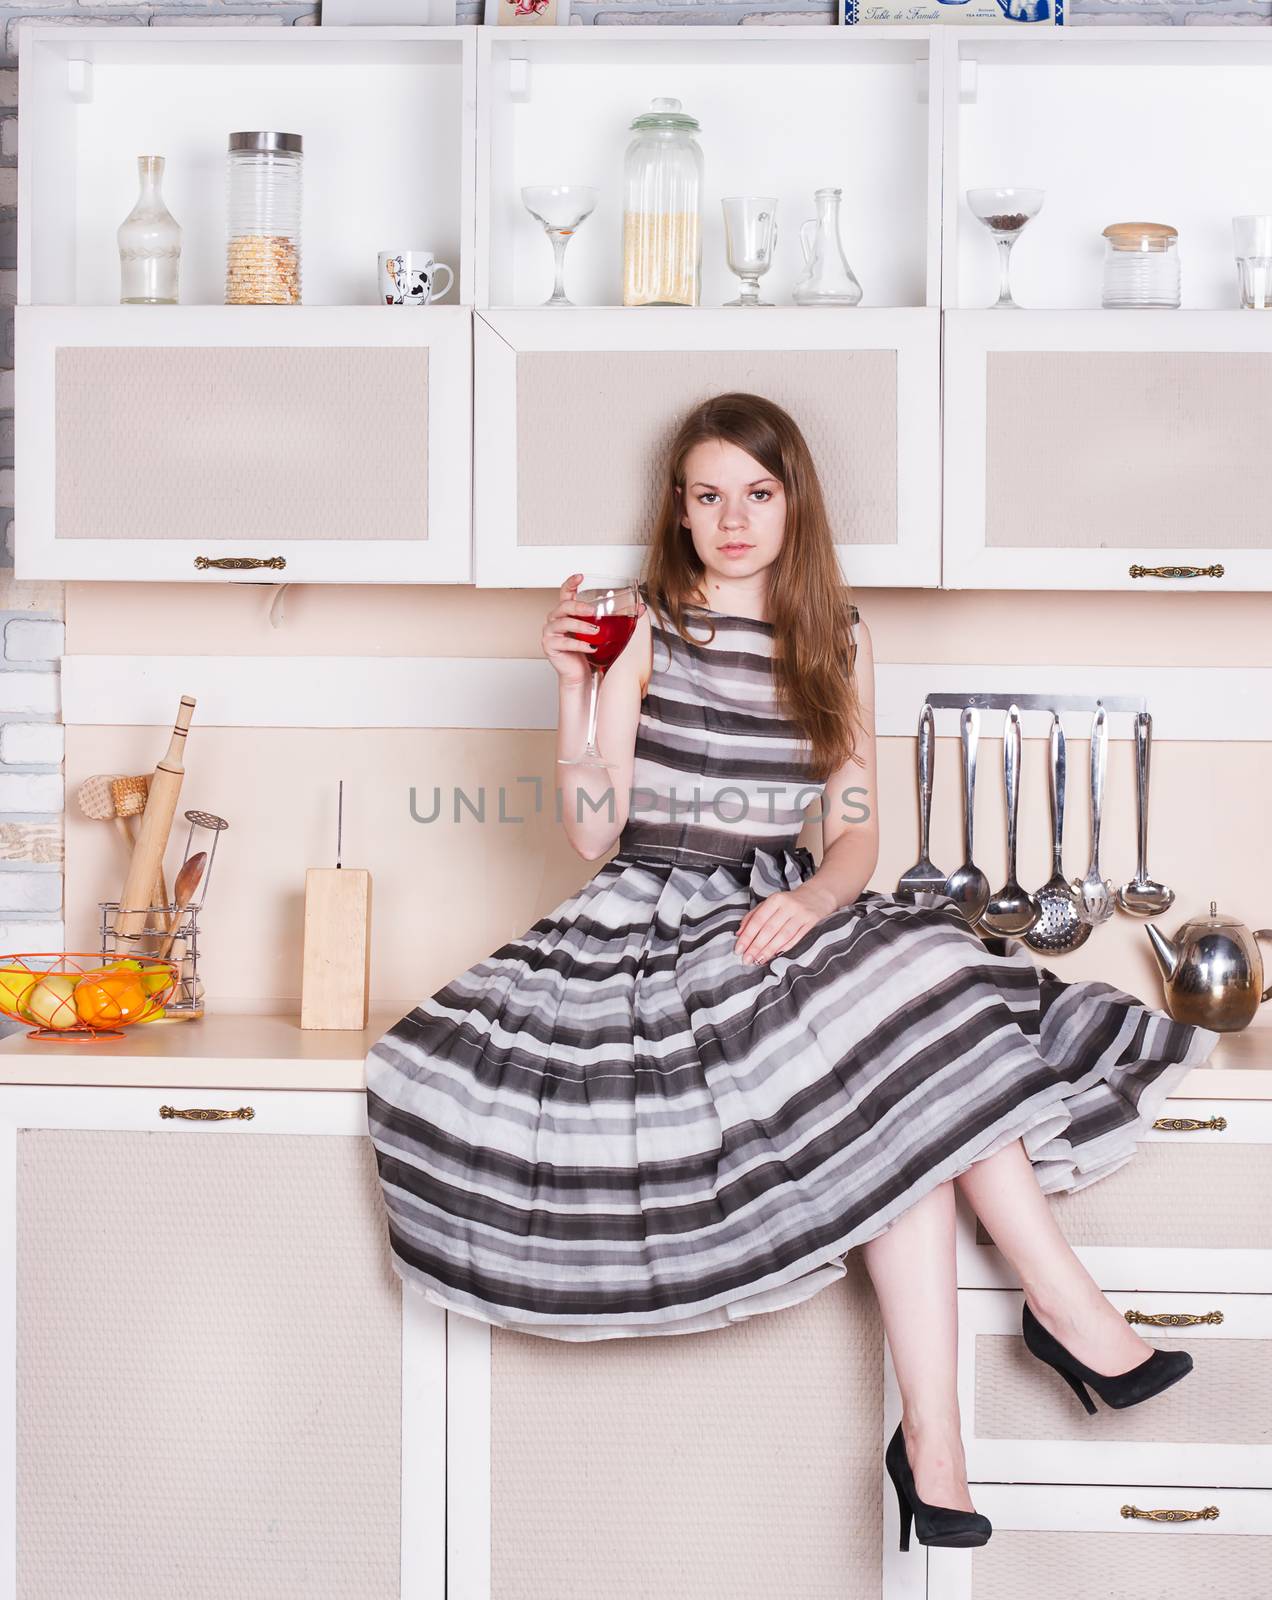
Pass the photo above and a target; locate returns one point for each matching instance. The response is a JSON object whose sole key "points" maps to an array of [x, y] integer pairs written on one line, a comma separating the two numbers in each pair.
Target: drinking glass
{"points": [[561, 208], [615, 602], [750, 230], [1252, 237], [1005, 213]]}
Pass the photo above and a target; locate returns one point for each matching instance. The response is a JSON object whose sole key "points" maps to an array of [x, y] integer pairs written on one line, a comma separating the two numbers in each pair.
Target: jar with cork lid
{"points": [[1141, 266], [662, 197]]}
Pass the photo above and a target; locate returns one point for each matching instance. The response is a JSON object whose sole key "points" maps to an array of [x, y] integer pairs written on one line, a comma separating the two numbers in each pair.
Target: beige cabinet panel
{"points": [[740, 1462], [209, 1353], [574, 414]]}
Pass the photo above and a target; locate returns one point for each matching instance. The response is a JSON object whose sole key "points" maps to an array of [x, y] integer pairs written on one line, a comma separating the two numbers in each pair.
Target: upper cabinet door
{"points": [[1119, 449], [575, 409], [202, 443], [327, 441]]}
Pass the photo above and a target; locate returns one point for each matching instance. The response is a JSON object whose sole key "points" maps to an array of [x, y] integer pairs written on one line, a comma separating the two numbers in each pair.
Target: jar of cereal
{"points": [[262, 262]]}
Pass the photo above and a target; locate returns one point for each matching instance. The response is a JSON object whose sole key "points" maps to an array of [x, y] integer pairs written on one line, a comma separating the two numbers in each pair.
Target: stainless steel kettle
{"points": [[1213, 971]]}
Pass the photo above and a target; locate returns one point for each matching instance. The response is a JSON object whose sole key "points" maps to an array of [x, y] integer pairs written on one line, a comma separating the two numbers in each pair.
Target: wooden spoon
{"points": [[182, 894]]}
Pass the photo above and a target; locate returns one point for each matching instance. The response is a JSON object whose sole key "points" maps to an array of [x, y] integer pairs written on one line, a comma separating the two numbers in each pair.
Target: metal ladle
{"points": [[923, 875], [1013, 910], [967, 884], [1142, 896], [1059, 927]]}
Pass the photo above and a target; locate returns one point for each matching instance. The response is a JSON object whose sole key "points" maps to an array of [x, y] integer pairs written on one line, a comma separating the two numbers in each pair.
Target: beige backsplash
{"points": [[446, 894]]}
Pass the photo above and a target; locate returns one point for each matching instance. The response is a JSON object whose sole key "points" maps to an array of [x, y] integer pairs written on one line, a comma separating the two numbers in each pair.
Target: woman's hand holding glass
{"points": [[606, 609]]}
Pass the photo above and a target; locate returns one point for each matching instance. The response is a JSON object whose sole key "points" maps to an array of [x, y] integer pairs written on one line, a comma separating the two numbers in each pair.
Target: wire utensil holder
{"points": [[187, 997]]}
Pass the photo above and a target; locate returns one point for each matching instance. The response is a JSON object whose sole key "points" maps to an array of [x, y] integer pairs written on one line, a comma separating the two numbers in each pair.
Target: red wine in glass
{"points": [[612, 634], [615, 604]]}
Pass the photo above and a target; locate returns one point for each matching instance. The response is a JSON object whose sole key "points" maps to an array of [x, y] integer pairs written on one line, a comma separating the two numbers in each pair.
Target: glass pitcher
{"points": [[827, 279]]}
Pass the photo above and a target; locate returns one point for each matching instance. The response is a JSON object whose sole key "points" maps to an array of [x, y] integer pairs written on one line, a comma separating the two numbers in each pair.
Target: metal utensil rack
{"points": [[1037, 702], [186, 1000]]}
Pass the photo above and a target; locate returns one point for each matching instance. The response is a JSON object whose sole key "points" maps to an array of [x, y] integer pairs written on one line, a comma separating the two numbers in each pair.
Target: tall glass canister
{"points": [[662, 201], [262, 258]]}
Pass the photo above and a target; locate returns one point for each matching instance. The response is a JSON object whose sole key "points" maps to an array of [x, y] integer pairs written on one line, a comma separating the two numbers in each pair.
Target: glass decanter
{"points": [[827, 279], [149, 243]]}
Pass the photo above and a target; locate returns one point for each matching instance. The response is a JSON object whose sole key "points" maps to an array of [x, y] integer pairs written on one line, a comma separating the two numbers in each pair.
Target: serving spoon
{"points": [[968, 885], [1013, 910]]}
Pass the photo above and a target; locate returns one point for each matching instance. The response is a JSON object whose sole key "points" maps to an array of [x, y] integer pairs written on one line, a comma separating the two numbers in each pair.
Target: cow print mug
{"points": [[409, 277]]}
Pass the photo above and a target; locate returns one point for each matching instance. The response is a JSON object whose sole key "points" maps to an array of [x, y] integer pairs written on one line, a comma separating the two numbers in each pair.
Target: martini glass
{"points": [[561, 208], [1005, 212], [615, 603]]}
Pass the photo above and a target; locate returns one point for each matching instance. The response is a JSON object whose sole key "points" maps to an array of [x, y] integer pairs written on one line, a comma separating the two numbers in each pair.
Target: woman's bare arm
{"points": [[850, 824], [595, 803]]}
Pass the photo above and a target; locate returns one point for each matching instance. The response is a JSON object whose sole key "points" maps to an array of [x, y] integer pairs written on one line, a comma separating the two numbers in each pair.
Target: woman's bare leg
{"points": [[1003, 1191], [912, 1269]]}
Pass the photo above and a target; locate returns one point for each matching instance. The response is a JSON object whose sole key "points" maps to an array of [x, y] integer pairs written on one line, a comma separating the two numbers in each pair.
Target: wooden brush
{"points": [[156, 825]]}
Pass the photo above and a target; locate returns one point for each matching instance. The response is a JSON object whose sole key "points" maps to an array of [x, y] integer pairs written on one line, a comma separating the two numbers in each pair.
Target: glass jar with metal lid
{"points": [[262, 261], [1141, 266], [662, 196]]}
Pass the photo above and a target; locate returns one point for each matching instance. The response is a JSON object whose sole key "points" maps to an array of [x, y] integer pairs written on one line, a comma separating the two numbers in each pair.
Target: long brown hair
{"points": [[808, 601]]}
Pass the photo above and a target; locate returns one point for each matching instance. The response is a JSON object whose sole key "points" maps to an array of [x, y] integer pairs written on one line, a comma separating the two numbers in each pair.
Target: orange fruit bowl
{"points": [[69, 993]]}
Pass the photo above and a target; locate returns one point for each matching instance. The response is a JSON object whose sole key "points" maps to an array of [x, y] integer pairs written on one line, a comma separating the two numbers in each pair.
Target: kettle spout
{"points": [[1167, 954]]}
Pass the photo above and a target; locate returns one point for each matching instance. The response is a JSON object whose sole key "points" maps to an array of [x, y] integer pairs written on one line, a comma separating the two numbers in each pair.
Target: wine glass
{"points": [[750, 229], [1005, 213], [561, 208], [616, 602]]}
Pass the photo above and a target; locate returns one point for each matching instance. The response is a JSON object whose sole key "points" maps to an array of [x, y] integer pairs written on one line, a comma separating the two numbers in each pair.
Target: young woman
{"points": [[684, 1094]]}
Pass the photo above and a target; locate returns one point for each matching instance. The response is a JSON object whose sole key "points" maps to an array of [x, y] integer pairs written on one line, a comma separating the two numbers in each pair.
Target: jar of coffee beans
{"points": [[262, 258]]}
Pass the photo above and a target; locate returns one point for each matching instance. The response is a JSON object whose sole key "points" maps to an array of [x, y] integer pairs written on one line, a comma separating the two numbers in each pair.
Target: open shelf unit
{"points": [[424, 137]]}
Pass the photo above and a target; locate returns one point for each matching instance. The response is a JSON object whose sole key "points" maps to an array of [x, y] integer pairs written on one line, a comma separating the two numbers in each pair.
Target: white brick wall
{"points": [[32, 744]]}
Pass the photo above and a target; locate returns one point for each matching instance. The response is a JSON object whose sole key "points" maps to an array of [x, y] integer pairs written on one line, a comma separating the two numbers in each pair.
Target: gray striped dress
{"points": [[613, 1126]]}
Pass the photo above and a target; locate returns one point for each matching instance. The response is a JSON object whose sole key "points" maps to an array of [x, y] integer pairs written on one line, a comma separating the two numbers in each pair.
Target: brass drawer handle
{"points": [[1177, 572], [1174, 1319], [1206, 1514], [206, 1114], [1191, 1124], [239, 563]]}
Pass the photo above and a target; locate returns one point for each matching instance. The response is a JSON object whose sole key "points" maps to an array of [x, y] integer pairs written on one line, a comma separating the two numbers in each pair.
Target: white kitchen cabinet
{"points": [[320, 444], [742, 1461], [1021, 1421], [573, 407], [1086, 446], [213, 1383], [1138, 1538], [1191, 1211]]}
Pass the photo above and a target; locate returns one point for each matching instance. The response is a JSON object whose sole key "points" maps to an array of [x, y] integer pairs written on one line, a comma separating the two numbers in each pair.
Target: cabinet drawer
{"points": [[1192, 1210], [1072, 1543], [213, 1378], [1021, 1420]]}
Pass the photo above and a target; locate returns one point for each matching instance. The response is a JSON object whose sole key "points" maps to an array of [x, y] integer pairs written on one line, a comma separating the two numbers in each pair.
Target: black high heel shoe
{"points": [[934, 1524], [1157, 1372]]}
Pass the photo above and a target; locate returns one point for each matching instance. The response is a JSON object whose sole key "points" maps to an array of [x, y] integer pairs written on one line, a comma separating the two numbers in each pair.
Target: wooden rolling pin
{"points": [[156, 825]]}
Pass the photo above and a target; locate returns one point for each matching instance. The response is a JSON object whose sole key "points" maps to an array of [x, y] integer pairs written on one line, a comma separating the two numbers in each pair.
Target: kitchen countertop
{"points": [[239, 1050]]}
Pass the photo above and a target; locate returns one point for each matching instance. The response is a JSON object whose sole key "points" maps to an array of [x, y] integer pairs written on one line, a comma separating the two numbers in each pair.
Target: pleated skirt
{"points": [[613, 1126]]}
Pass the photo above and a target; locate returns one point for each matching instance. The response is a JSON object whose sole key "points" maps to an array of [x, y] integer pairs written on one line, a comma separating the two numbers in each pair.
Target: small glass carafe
{"points": [[149, 243], [827, 279]]}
